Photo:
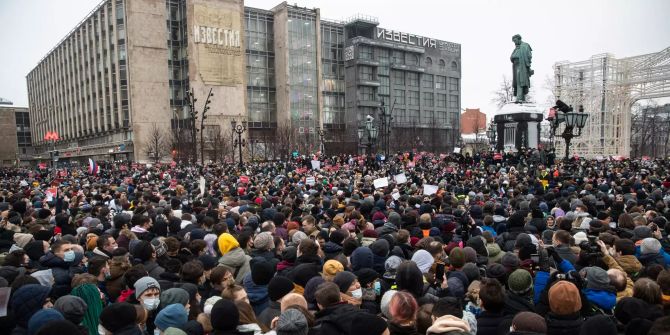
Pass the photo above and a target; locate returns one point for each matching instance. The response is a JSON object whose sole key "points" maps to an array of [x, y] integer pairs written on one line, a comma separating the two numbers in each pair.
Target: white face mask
{"points": [[102, 330], [357, 293], [151, 304]]}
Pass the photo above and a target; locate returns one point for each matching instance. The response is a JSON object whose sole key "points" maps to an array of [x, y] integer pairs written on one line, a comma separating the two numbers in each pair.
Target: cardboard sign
{"points": [[400, 178], [316, 165], [381, 182], [429, 189], [457, 150], [51, 193], [202, 186], [395, 195], [310, 181], [244, 179]]}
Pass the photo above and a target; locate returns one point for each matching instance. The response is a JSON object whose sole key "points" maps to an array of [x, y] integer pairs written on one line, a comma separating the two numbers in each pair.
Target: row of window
{"points": [[386, 56]]}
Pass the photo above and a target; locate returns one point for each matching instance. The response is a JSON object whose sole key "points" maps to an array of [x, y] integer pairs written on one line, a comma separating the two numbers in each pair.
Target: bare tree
{"points": [[505, 93], [284, 140], [157, 144]]}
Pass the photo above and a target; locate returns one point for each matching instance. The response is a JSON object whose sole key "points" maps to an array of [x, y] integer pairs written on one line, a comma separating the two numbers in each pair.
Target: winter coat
{"points": [[457, 283], [507, 240], [605, 300], [272, 311], [564, 325], [566, 253], [490, 324], [336, 319], [284, 267], [630, 264], [153, 269], [448, 324], [257, 294], [495, 253], [402, 330], [237, 260], [515, 303], [62, 271], [331, 250], [265, 254], [651, 259], [387, 228]]}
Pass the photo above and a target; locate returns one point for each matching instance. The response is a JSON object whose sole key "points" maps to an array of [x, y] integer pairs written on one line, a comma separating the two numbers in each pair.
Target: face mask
{"points": [[151, 303], [69, 256], [101, 330], [157, 331], [357, 293], [108, 275], [378, 288]]}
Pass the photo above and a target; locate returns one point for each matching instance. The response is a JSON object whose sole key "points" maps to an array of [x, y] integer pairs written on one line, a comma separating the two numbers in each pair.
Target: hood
{"points": [[629, 263], [499, 218], [283, 265], [331, 248], [448, 323], [235, 257], [603, 299], [52, 261]]}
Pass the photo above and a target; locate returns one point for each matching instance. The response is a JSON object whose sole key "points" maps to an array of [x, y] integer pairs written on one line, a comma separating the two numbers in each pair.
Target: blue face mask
{"points": [[69, 256], [378, 288]]}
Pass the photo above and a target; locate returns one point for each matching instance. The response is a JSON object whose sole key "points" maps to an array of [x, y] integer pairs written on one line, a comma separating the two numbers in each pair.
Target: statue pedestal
{"points": [[518, 126]]}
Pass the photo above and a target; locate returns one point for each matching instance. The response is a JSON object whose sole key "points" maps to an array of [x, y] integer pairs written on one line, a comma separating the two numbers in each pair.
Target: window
{"points": [[399, 96], [397, 57], [454, 66], [384, 85], [443, 65], [413, 115], [453, 101], [411, 59], [429, 62], [401, 116], [365, 52], [453, 85], [427, 81], [441, 100], [413, 98], [399, 78], [365, 72], [366, 93], [412, 79], [441, 83], [427, 117], [383, 56], [428, 99]]}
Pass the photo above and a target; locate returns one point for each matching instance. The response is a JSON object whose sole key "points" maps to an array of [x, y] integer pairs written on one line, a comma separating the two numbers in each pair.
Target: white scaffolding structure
{"points": [[608, 87]]}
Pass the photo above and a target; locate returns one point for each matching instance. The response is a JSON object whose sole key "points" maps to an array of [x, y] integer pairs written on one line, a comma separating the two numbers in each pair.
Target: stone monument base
{"points": [[518, 126]]}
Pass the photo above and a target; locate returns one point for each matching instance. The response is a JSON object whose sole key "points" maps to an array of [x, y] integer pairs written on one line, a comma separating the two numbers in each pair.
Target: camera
{"points": [[563, 107]]}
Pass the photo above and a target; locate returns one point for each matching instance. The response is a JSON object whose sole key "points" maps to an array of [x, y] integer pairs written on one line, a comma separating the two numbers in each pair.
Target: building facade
{"points": [[125, 75], [15, 135]]}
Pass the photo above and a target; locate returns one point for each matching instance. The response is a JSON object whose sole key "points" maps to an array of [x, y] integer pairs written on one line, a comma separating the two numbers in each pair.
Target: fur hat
{"points": [[564, 298]]}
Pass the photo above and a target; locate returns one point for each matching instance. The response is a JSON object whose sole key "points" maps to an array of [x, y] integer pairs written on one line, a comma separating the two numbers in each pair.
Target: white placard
{"points": [[316, 165], [310, 181], [400, 178], [395, 195], [202, 186], [381, 182], [429, 189], [457, 150]]}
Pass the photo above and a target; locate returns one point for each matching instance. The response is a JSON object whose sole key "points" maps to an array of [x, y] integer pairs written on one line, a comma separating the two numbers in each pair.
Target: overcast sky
{"points": [[557, 30]]}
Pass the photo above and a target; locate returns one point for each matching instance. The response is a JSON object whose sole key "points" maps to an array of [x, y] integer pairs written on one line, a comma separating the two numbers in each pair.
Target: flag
{"points": [[93, 167]]}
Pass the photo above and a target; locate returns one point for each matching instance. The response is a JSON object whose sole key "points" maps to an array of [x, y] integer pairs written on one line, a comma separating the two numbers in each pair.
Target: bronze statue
{"points": [[521, 71]]}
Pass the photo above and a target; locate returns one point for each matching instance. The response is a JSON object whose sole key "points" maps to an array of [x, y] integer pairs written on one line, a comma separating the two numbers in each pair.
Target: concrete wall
{"points": [[147, 71], [8, 149], [281, 64]]}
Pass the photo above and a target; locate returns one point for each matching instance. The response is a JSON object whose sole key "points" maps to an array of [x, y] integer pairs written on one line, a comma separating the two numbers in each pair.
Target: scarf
{"points": [[350, 300]]}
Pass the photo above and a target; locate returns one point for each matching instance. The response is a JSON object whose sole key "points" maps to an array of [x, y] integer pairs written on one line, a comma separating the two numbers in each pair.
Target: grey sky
{"points": [[557, 30]]}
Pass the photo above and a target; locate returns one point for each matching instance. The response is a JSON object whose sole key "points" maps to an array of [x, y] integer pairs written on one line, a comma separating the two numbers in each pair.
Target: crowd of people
{"points": [[415, 243]]}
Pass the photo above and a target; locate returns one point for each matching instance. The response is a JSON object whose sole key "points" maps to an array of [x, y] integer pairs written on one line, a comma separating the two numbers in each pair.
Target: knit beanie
{"points": [[91, 295], [344, 280], [264, 241], [41, 317], [529, 322], [510, 261], [596, 278], [470, 255], [73, 308], [144, 284], [159, 246], [564, 298], [395, 218], [227, 243], [310, 289], [278, 287], [380, 247], [45, 277], [331, 268], [225, 316], [58, 327], [209, 304], [22, 239], [457, 257], [471, 271], [650, 245], [520, 282], [374, 325], [338, 236], [174, 331], [391, 266], [478, 243], [26, 301], [385, 302], [292, 322], [262, 271], [118, 316], [298, 237], [496, 271], [302, 273], [423, 259], [641, 232], [366, 276], [175, 295], [174, 315]]}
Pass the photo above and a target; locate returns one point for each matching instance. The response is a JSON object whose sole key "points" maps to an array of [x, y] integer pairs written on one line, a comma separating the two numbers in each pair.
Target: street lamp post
{"points": [[239, 129], [386, 119], [491, 134], [564, 113], [370, 130]]}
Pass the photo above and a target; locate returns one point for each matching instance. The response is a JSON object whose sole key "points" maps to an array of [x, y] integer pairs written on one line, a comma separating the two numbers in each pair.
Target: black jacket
{"points": [[490, 324], [515, 304], [336, 320], [564, 325], [402, 330], [62, 271]]}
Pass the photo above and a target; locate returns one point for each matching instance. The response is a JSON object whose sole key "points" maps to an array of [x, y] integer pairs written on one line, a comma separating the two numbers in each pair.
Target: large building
{"points": [[15, 135], [121, 80]]}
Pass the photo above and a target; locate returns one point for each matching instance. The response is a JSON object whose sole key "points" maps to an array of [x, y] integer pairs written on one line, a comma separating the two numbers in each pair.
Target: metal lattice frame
{"points": [[608, 87]]}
